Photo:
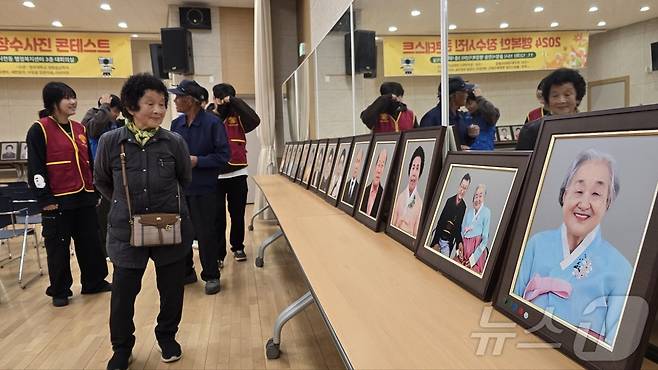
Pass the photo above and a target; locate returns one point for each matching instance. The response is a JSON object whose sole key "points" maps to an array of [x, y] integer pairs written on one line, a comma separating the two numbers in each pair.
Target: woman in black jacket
{"points": [[157, 167]]}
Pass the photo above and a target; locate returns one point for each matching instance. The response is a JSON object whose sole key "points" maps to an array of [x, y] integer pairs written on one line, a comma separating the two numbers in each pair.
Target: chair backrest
{"points": [[6, 205], [21, 196]]}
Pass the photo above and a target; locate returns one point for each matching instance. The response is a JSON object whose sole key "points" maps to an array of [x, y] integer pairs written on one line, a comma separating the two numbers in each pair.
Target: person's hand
{"points": [[50, 207], [477, 92], [194, 159], [473, 131], [105, 99], [467, 229], [465, 147], [395, 98]]}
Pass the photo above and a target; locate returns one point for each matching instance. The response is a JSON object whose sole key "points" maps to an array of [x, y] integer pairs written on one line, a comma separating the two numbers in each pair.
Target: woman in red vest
{"points": [[59, 172], [388, 113]]}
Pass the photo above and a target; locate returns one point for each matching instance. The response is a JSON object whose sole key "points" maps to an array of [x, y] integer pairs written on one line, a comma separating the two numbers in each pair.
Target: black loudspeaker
{"points": [[195, 18], [365, 53], [177, 54], [654, 56], [156, 61]]}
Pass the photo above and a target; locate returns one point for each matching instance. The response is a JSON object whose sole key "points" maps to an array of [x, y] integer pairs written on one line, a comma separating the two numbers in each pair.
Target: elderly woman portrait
{"points": [[409, 204], [319, 159], [572, 271], [158, 167], [473, 250]]}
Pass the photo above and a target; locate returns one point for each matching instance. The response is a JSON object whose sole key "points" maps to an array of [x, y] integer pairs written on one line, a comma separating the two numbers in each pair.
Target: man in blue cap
{"points": [[458, 90], [209, 153]]}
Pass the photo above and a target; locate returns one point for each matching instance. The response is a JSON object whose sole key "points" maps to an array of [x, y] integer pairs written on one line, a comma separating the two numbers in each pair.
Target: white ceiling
{"points": [[378, 15], [144, 17]]}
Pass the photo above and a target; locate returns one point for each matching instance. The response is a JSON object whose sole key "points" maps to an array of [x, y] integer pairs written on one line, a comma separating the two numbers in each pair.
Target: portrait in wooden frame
{"points": [[339, 169], [302, 161], [310, 161], [421, 157], [465, 228], [327, 166], [317, 165], [374, 197], [355, 171], [581, 266]]}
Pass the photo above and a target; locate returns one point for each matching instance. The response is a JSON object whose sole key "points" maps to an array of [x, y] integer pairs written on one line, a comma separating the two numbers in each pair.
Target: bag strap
{"points": [[125, 179], [125, 183]]}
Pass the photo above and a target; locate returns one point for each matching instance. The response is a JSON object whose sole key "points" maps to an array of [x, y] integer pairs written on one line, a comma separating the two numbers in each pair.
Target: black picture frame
{"points": [[23, 151], [388, 143], [504, 163], [431, 169], [516, 132], [294, 161], [303, 156], [310, 161], [284, 157], [360, 144], [327, 167], [334, 193], [9, 151], [316, 173], [504, 134], [624, 346]]}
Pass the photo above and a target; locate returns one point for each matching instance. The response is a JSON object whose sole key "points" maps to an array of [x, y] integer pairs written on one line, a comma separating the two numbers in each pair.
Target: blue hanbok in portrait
{"points": [[572, 272]]}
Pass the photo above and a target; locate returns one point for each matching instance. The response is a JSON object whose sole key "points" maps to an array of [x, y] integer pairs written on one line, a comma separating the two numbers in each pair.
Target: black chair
{"points": [[12, 228]]}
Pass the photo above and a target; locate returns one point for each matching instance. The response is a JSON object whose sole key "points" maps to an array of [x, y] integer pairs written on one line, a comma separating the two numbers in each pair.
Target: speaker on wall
{"points": [[365, 53], [195, 18], [654, 56], [177, 53], [156, 61]]}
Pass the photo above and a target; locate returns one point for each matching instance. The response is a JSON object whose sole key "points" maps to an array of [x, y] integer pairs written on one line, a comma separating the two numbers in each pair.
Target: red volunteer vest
{"points": [[67, 159], [535, 114], [386, 123], [237, 140]]}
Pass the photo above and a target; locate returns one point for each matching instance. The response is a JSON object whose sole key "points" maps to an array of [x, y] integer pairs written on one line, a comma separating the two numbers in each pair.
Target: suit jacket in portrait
{"points": [[350, 198], [375, 205]]}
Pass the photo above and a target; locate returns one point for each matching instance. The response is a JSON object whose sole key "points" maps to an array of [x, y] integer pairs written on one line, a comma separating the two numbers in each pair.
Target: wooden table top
{"points": [[386, 308]]}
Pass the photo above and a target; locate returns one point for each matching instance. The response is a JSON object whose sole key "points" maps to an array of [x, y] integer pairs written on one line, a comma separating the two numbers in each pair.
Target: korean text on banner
{"points": [[485, 53], [63, 54]]}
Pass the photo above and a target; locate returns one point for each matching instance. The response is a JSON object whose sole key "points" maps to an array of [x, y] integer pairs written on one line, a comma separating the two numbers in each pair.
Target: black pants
{"points": [[203, 211], [59, 226], [126, 284], [102, 210], [234, 190]]}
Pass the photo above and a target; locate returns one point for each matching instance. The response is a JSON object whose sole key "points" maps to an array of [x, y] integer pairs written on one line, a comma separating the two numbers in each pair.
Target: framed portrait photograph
{"points": [[516, 132], [23, 151], [317, 166], [373, 201], [294, 160], [464, 234], [354, 177], [9, 151], [306, 146], [504, 133], [310, 161], [284, 157], [338, 171], [327, 165], [581, 268], [419, 166]]}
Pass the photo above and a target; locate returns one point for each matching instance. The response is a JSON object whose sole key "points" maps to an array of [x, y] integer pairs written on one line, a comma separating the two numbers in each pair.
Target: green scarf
{"points": [[141, 136]]}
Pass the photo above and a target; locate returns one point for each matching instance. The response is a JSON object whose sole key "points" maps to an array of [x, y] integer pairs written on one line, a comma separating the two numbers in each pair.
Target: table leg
{"points": [[272, 350], [266, 243], [251, 224]]}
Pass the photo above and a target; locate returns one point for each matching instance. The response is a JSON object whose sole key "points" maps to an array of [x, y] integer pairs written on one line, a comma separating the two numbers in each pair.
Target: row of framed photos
{"points": [[564, 239], [506, 134], [13, 150]]}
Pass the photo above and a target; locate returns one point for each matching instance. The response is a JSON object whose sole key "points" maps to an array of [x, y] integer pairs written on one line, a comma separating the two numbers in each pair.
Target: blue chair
{"points": [[11, 228]]}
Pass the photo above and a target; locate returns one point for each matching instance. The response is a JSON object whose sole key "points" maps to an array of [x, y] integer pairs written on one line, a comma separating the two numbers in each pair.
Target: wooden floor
{"points": [[223, 331]]}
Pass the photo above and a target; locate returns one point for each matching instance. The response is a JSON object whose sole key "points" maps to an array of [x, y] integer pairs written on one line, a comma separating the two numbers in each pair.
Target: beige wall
{"points": [[236, 29]]}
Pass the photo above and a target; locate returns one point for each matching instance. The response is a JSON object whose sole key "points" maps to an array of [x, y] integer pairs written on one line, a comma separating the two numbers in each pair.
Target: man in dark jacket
{"points": [[447, 233], [209, 152], [239, 119], [372, 195]]}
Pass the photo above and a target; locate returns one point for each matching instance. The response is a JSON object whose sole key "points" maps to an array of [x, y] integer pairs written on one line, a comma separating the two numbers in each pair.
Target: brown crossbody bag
{"points": [[152, 229]]}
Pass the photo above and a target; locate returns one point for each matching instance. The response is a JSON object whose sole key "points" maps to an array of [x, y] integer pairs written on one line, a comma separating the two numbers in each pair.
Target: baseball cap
{"points": [[457, 83], [189, 87]]}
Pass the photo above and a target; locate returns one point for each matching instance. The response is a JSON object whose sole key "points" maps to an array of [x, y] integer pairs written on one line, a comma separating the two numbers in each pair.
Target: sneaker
{"points": [[104, 287], [190, 278], [171, 351], [60, 302], [240, 255], [212, 286], [119, 361]]}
